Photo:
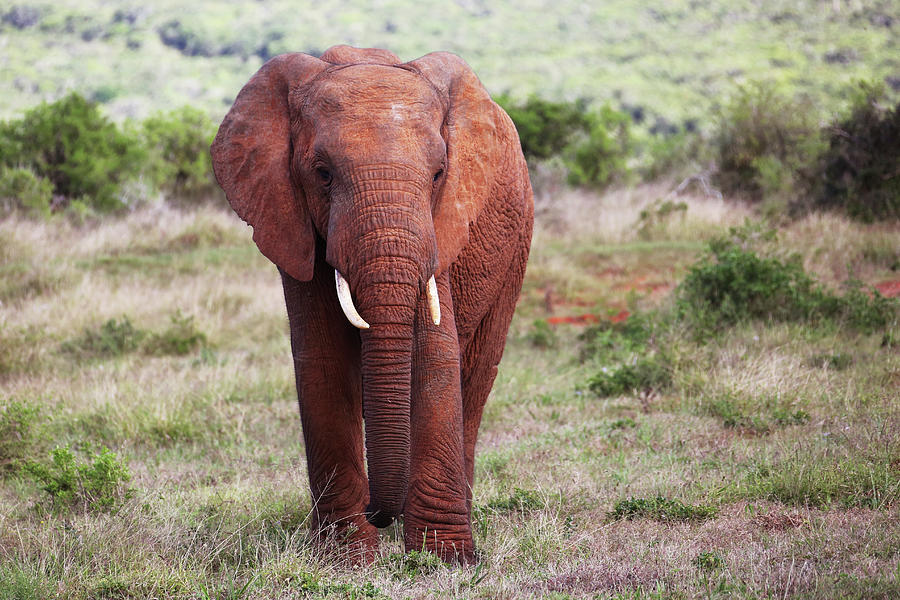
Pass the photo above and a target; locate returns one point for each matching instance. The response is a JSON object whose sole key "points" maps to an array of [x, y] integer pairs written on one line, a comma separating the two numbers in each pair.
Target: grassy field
{"points": [[768, 467], [666, 62]]}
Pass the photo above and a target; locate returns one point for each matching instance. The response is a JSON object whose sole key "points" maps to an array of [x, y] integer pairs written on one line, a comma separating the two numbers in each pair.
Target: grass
{"points": [[765, 467]]}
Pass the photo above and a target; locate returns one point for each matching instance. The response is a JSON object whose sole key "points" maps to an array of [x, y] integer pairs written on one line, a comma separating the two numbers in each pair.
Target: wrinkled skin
{"points": [[390, 174]]}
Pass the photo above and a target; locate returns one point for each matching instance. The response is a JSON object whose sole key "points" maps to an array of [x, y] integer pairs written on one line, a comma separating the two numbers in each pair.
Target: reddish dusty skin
{"points": [[389, 173]]}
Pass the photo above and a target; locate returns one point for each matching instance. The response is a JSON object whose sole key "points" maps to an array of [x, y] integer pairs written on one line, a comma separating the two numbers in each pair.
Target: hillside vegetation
{"points": [[667, 63]]}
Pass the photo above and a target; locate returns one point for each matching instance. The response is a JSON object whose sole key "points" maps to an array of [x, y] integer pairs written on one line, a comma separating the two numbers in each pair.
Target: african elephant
{"points": [[394, 194]]}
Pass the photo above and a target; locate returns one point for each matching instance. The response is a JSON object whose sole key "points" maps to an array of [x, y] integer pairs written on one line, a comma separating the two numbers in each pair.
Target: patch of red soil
{"points": [[889, 289], [588, 318]]}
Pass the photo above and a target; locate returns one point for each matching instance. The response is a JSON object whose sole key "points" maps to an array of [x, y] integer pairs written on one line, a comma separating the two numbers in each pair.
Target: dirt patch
{"points": [[889, 289]]}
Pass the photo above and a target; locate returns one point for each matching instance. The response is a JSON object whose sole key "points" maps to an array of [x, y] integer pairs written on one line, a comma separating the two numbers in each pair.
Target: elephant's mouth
{"points": [[346, 301]]}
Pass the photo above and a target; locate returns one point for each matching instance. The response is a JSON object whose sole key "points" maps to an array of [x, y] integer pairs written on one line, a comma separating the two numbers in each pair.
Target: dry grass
{"points": [[797, 456]]}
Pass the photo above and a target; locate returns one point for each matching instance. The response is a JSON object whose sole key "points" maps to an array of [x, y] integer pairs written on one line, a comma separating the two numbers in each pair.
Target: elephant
{"points": [[395, 202]]}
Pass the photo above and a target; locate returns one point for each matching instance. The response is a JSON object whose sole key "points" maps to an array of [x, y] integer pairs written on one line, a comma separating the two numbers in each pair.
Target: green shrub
{"points": [[416, 563], [21, 189], [519, 501], [647, 373], [77, 149], [661, 509], [860, 169], [734, 284], [708, 561], [178, 151], [18, 424], [542, 335], [764, 143], [98, 484], [599, 157], [113, 338], [545, 128], [616, 342], [593, 146], [181, 337]]}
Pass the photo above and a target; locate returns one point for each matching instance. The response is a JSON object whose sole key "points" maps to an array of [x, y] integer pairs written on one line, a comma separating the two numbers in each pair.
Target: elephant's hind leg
{"points": [[480, 359]]}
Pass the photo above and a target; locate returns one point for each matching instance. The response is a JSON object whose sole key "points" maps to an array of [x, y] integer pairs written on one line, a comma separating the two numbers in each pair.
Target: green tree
{"points": [[83, 154], [178, 150]]}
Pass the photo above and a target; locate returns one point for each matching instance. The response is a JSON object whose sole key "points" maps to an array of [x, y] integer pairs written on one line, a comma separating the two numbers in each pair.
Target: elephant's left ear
{"points": [[485, 160]]}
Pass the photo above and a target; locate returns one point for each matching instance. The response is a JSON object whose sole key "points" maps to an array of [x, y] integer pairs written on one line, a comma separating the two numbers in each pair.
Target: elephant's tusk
{"points": [[434, 304], [343, 292]]}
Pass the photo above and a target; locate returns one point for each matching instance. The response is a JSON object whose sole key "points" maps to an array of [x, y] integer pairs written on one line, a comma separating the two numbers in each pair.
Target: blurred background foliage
{"points": [[787, 105]]}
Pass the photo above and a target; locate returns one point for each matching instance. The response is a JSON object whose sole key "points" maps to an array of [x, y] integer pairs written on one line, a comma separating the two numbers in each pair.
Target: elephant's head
{"points": [[387, 164]]}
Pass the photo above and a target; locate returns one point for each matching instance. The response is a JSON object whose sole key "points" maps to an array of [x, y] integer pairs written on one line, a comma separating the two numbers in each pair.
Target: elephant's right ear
{"points": [[251, 158]]}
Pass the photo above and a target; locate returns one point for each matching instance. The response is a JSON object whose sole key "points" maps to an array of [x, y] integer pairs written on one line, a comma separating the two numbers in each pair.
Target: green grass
{"points": [[766, 466]]}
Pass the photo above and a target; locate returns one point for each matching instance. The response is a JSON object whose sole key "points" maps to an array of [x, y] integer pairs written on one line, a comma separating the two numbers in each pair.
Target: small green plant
{"points": [[519, 501], [661, 509], [655, 217], [180, 338], [708, 561], [18, 425], [112, 338], [98, 483], [837, 361], [21, 189], [615, 342], [542, 335], [416, 563], [645, 374]]}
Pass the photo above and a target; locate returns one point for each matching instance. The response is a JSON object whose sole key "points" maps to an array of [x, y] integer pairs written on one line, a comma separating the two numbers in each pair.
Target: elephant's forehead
{"points": [[364, 89]]}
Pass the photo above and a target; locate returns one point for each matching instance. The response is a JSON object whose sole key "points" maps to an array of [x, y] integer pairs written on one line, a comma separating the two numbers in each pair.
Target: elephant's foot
{"points": [[352, 536], [452, 543]]}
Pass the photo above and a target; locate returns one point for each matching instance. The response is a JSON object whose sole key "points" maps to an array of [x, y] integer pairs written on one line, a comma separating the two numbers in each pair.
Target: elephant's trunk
{"points": [[386, 363], [386, 251]]}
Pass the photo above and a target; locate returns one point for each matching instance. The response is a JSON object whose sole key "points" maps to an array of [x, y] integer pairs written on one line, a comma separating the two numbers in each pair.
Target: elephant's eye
{"points": [[324, 175], [437, 175]]}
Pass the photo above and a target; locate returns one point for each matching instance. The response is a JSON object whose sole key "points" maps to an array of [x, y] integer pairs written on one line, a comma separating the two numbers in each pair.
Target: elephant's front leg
{"points": [[326, 363], [436, 515]]}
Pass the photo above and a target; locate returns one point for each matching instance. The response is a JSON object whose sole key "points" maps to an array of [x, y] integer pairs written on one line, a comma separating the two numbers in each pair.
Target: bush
{"points": [[734, 284], [17, 433], [598, 158], [76, 148], [178, 151], [661, 509], [113, 338], [616, 342], [859, 171], [181, 337], [648, 373], [593, 146], [765, 143], [519, 501], [21, 189], [545, 128], [98, 484]]}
